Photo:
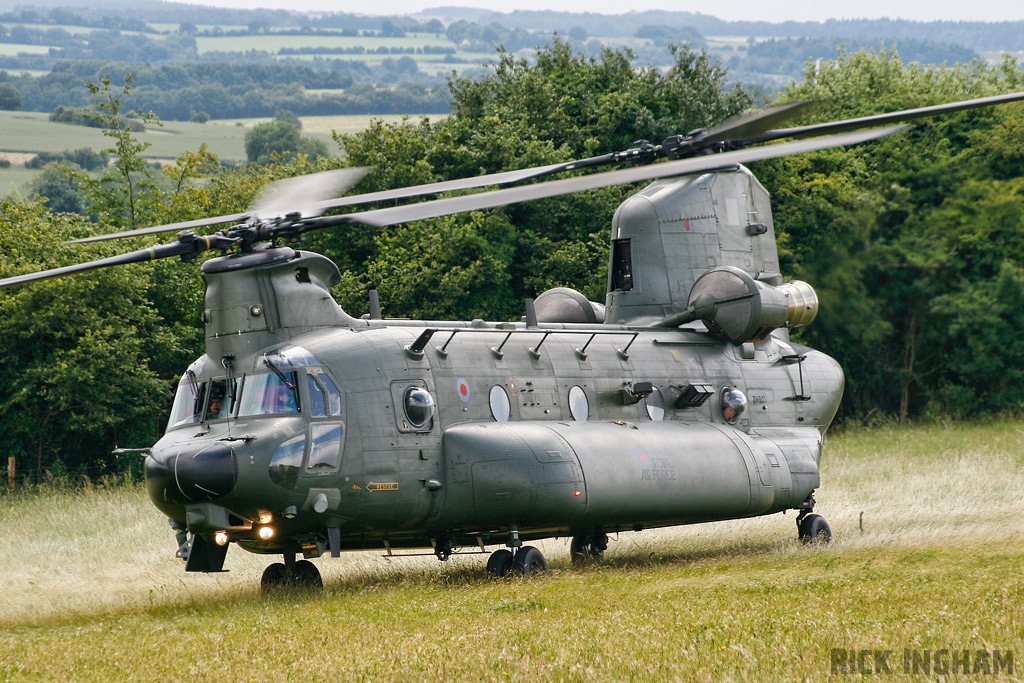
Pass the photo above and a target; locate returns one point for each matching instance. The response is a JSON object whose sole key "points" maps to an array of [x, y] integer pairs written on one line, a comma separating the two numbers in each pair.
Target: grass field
{"points": [[927, 556]]}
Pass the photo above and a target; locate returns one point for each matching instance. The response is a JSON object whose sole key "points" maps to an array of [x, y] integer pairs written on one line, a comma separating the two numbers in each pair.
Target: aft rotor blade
{"points": [[554, 188], [502, 178], [883, 119], [755, 124], [313, 208], [188, 246]]}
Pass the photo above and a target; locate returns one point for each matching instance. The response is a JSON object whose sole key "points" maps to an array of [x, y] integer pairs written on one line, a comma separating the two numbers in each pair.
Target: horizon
{"points": [[739, 10]]}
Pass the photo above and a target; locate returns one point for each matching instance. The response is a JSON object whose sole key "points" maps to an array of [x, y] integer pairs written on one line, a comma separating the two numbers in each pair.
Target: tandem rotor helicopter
{"points": [[305, 431]]}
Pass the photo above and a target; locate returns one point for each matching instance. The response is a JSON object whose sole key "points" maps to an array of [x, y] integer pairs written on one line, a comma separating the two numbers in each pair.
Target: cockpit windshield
{"points": [[269, 394]]}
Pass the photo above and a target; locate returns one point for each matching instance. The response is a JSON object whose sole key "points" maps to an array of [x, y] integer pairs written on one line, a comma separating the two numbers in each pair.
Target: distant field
{"points": [[272, 42], [928, 550], [13, 49], [14, 178], [34, 132], [324, 125], [67, 27], [27, 133]]}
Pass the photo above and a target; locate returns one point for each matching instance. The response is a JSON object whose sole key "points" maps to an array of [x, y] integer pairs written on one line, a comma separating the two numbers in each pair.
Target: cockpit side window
{"points": [[323, 389], [317, 397], [188, 402], [269, 394]]}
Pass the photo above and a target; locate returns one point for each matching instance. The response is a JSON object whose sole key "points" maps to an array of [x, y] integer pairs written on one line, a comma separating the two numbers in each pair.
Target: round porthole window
{"points": [[501, 410], [655, 404], [419, 406], [733, 404], [579, 406]]}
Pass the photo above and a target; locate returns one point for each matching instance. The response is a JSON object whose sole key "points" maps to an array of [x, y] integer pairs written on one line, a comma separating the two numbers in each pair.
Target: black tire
{"points": [[307, 576], [499, 564], [814, 529], [275, 577], [529, 561]]}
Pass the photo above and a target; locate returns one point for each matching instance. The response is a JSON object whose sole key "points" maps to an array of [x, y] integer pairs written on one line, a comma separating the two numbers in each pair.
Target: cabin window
{"points": [[501, 409], [325, 449], [284, 466], [269, 394], [579, 405], [655, 404]]}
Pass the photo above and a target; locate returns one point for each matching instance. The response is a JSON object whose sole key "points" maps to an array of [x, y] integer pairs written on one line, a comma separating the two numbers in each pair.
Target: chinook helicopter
{"points": [[303, 430]]}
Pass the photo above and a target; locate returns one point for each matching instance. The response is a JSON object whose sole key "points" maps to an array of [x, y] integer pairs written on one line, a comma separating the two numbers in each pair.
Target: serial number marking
{"points": [[382, 486]]}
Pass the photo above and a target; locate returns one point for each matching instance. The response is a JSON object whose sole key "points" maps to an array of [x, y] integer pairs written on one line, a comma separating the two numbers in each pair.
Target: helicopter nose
{"points": [[191, 473]]}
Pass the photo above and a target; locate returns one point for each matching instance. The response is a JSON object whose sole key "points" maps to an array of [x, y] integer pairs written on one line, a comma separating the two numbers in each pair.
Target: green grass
{"points": [[15, 178], [91, 592]]}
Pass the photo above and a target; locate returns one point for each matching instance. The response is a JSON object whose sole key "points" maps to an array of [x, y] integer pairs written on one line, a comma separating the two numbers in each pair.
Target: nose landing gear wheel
{"points": [[303, 575], [814, 529]]}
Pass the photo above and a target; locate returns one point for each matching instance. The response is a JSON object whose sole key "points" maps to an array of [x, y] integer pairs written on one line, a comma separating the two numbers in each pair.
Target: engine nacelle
{"points": [[735, 306]]}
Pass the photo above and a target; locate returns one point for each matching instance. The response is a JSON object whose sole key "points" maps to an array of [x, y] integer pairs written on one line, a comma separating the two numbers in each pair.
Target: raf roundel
{"points": [[463, 389]]}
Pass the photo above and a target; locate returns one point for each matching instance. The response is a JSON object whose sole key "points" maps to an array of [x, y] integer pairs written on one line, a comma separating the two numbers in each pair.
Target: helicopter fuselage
{"points": [[399, 433]]}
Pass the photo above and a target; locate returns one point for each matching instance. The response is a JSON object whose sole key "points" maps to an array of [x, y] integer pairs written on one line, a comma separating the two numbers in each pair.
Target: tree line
{"points": [[915, 243]]}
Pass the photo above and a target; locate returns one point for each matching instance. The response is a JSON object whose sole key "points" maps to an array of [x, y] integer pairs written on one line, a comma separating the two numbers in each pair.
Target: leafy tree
{"points": [[288, 116], [59, 185], [898, 233], [80, 347], [562, 106], [264, 140], [119, 194], [10, 96]]}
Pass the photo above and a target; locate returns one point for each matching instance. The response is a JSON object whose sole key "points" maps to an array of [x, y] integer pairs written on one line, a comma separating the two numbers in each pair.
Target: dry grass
{"points": [[91, 592]]}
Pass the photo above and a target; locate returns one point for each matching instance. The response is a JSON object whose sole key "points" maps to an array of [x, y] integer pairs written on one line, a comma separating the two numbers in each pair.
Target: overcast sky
{"points": [[780, 10]]}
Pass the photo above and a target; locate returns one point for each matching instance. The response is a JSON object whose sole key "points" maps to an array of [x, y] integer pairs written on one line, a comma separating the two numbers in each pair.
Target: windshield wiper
{"points": [[277, 371]]}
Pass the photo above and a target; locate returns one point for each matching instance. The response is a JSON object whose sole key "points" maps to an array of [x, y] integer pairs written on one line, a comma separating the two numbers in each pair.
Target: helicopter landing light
{"points": [[220, 538], [266, 532], [266, 518]]}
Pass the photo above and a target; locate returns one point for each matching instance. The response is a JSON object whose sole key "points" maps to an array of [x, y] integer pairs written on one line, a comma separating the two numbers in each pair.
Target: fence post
{"points": [[10, 471]]}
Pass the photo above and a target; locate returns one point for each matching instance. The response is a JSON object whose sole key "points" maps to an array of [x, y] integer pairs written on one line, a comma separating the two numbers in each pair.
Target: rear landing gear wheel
{"points": [[499, 564], [529, 561], [588, 547], [814, 529]]}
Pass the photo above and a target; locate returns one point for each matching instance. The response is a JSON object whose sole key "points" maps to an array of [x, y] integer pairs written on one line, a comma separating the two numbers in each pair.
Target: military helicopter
{"points": [[303, 430]]}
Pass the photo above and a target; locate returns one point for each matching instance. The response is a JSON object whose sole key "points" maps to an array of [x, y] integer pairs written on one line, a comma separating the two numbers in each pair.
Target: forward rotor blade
{"points": [[883, 119], [513, 195], [188, 245], [169, 227]]}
